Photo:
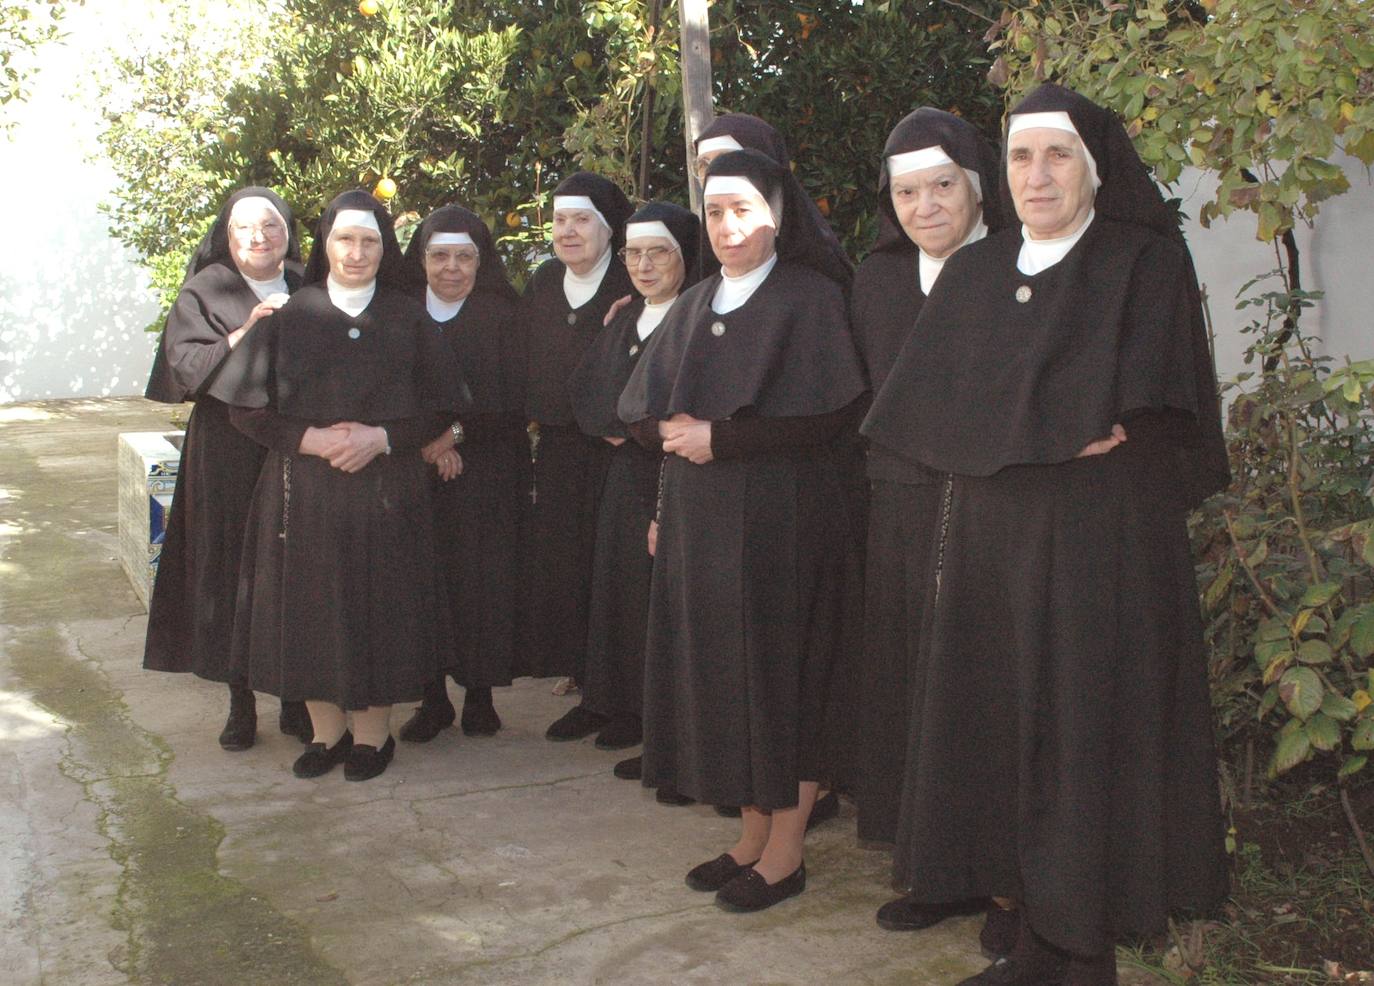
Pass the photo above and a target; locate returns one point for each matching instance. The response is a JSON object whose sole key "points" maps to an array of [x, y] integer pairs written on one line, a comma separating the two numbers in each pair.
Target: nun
{"points": [[563, 308], [747, 382], [340, 604], [242, 272], [479, 460], [660, 254], [1061, 747], [932, 202]]}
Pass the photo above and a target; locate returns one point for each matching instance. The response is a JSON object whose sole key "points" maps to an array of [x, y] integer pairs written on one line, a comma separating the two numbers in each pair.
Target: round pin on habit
{"points": [[355, 333], [717, 328], [572, 318], [634, 350], [1023, 293]]}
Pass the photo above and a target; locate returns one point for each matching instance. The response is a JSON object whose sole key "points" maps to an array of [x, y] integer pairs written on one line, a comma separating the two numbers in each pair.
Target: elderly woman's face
{"points": [[1051, 184], [579, 238], [355, 253], [937, 207], [741, 231], [656, 267], [451, 269], [257, 239]]}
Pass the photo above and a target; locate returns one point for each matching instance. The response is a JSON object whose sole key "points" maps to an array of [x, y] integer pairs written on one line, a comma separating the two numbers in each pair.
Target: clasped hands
{"points": [[348, 446], [688, 437], [441, 454]]}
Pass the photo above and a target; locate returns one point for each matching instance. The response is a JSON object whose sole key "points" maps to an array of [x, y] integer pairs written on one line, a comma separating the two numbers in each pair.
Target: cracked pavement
{"points": [[134, 850]]}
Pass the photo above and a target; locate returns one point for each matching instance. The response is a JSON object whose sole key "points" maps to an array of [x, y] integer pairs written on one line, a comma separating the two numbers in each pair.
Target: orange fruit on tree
{"points": [[512, 219], [385, 189], [582, 60], [369, 8]]}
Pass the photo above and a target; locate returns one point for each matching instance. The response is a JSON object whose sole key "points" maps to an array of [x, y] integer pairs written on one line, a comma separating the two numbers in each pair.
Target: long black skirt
{"points": [[475, 538], [191, 613], [339, 595], [745, 616], [1062, 747], [902, 530], [621, 570], [557, 532]]}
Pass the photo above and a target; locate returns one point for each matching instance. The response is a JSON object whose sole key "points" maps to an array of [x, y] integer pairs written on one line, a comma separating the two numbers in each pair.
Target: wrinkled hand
{"points": [[616, 305], [1104, 445], [361, 444], [614, 440], [653, 537], [450, 465], [688, 437], [323, 442], [431, 452], [261, 310]]}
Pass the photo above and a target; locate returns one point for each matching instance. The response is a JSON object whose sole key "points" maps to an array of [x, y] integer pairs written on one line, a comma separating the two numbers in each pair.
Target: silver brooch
{"points": [[572, 318], [1023, 294], [717, 328], [634, 350], [355, 333]]}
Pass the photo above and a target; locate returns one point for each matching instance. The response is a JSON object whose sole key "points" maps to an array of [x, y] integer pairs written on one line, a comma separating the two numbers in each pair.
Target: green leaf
{"points": [[1351, 390], [1363, 737], [1268, 701], [1323, 732], [1217, 590], [1320, 594], [1292, 750], [1339, 707], [1301, 690], [1352, 765], [1315, 652], [1362, 633]]}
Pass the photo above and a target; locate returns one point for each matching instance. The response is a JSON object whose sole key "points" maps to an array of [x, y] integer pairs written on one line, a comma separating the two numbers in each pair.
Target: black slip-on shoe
{"points": [[479, 714], [716, 873], [318, 759], [629, 770], [909, 914], [576, 724], [751, 892], [366, 762], [427, 722]]}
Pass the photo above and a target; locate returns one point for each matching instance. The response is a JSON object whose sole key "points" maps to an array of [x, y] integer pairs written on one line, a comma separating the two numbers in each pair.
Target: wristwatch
{"points": [[457, 429]]}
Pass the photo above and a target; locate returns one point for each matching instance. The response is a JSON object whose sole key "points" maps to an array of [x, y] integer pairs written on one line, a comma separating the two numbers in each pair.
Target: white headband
{"points": [[639, 231], [256, 201], [969, 173], [582, 202], [356, 218], [926, 157], [450, 239], [737, 185], [713, 144], [1054, 120]]}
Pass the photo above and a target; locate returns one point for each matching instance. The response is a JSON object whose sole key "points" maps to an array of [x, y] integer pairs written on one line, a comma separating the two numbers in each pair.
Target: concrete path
{"points": [[132, 849]]}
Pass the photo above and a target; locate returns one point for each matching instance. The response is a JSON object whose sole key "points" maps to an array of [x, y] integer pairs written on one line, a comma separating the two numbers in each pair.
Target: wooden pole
{"points": [[697, 111], [646, 131]]}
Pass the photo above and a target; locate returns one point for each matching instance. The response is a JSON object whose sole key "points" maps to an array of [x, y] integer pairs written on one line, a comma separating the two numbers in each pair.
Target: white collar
{"points": [[652, 316], [735, 291], [350, 301], [1039, 255], [930, 267], [265, 289], [439, 309], [581, 288]]}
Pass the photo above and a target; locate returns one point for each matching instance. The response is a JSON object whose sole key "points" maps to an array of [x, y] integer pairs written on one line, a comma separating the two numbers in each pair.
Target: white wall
{"points": [[72, 303]]}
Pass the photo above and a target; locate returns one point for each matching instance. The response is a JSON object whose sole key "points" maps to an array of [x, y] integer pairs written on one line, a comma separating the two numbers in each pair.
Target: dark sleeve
{"points": [[416, 430], [192, 344], [645, 432], [492, 427], [735, 438], [268, 428]]}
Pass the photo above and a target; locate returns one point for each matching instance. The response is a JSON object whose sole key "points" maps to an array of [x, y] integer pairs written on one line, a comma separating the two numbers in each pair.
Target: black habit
{"points": [[191, 612], [567, 467], [1061, 748], [748, 580]]}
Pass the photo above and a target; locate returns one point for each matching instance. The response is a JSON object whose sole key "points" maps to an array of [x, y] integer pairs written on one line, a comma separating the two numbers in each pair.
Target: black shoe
{"points": [[668, 796], [823, 810], [715, 874], [630, 770], [751, 892], [575, 725], [909, 914], [241, 728], [620, 733], [318, 760], [366, 762], [728, 811], [479, 714], [428, 722], [294, 720], [998, 936], [1018, 972]]}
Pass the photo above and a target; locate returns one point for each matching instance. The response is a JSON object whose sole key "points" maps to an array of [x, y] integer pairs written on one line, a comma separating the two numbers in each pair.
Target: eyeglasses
{"points": [[269, 230], [441, 257], [659, 256]]}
